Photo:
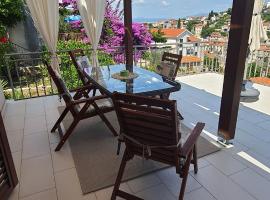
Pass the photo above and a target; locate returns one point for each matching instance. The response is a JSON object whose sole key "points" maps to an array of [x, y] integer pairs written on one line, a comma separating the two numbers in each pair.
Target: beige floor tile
{"points": [[17, 159], [35, 124], [106, 193], [254, 183], [35, 102], [202, 162], [225, 163], [52, 116], [34, 110], [51, 102], [34, 131], [68, 186], [220, 186], [256, 162], [62, 159], [15, 109], [15, 193], [35, 145], [159, 192], [14, 132], [14, 123], [200, 194], [36, 175], [15, 141], [143, 182], [46, 195], [173, 181]]}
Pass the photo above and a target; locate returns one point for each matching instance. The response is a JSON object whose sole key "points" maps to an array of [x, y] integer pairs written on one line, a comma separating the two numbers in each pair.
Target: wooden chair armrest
{"points": [[191, 140], [87, 100]]}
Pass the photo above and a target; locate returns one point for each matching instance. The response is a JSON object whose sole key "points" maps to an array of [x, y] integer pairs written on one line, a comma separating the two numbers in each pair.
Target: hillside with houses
{"points": [[202, 40], [215, 24]]}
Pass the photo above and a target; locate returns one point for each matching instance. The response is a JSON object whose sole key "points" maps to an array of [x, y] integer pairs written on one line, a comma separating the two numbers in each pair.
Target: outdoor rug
{"points": [[94, 152]]}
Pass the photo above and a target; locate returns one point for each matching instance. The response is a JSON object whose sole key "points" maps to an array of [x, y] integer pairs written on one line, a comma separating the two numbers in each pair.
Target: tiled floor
{"points": [[241, 172]]}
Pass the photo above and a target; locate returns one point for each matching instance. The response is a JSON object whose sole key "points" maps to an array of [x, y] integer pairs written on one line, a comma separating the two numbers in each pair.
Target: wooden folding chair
{"points": [[172, 58], [174, 61], [153, 133], [74, 54], [80, 109]]}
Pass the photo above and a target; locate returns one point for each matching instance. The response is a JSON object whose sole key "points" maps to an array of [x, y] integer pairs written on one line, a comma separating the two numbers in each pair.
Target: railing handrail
{"points": [[17, 45], [156, 45]]}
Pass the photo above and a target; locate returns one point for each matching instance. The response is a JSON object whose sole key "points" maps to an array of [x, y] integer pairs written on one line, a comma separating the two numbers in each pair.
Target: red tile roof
{"points": [[192, 38], [264, 48], [216, 34], [261, 80], [190, 59], [215, 43], [170, 32]]}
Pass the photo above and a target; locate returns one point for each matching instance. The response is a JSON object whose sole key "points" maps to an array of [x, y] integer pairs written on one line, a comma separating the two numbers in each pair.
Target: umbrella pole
{"points": [[128, 34]]}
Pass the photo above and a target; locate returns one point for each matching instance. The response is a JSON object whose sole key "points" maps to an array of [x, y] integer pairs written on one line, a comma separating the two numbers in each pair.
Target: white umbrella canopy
{"points": [[257, 32]]}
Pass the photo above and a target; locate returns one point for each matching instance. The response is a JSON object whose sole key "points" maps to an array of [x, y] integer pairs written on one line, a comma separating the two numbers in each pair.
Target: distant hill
{"points": [[149, 20]]}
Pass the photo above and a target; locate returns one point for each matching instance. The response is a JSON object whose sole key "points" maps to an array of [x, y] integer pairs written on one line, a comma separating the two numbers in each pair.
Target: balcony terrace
{"points": [[243, 168]]}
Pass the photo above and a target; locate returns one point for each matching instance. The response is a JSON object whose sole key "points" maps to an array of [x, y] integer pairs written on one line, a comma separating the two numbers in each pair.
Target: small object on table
{"points": [[124, 75]]}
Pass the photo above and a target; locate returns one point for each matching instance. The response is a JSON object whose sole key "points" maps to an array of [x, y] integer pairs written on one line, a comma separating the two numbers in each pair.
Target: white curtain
{"points": [[45, 14], [92, 13], [257, 32]]}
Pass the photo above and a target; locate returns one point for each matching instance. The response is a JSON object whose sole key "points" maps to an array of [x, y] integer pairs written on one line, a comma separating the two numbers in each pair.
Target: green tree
{"points": [[179, 23], [150, 25], [11, 12], [268, 34], [206, 31], [211, 63], [224, 34], [266, 16], [229, 11], [158, 37], [212, 14], [191, 24]]}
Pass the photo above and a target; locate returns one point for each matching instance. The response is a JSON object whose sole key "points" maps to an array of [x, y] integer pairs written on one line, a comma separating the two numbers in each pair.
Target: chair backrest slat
{"points": [[145, 105], [149, 126], [149, 117], [73, 55], [173, 58], [152, 133]]}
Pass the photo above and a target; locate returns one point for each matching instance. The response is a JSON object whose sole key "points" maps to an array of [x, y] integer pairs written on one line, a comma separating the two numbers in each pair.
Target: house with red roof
{"points": [[185, 43]]}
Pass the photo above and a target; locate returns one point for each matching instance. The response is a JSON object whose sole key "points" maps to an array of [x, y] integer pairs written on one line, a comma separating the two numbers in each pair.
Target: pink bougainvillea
{"points": [[113, 31]]}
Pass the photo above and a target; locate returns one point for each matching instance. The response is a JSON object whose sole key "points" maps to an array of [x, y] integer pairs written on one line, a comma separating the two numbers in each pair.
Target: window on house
{"points": [[190, 51]]}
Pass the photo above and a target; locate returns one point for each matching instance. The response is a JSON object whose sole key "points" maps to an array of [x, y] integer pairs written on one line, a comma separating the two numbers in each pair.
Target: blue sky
{"points": [[176, 8]]}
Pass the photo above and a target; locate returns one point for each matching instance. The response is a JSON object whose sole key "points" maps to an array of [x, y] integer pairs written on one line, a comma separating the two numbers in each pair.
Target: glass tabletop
{"points": [[147, 82]]}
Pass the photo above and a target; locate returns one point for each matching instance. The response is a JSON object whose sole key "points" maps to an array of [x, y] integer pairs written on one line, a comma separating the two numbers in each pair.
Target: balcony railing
{"points": [[27, 76]]}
